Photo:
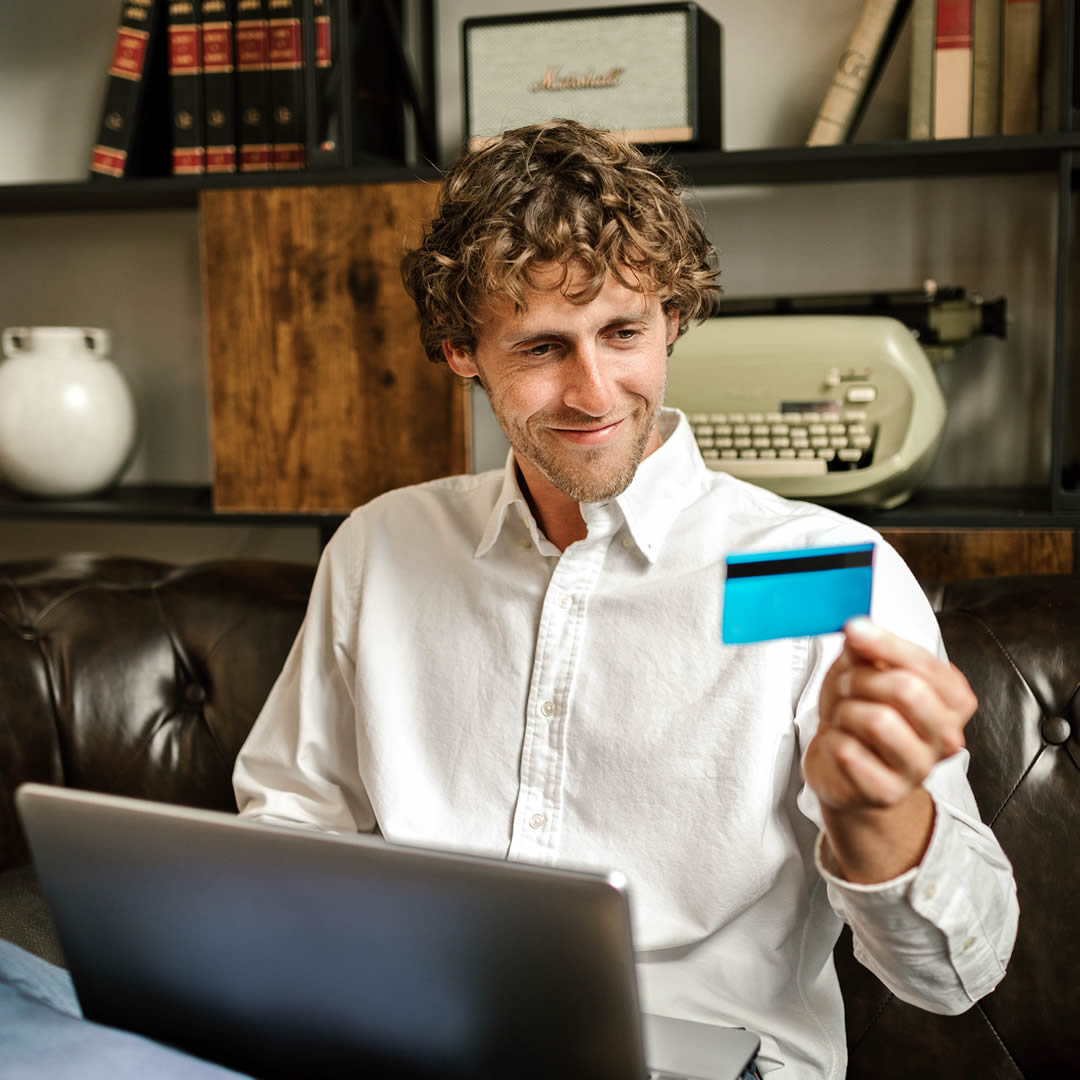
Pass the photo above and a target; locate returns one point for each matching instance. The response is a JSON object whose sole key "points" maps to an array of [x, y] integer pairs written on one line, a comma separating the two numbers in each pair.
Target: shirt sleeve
{"points": [[940, 935], [298, 765]]}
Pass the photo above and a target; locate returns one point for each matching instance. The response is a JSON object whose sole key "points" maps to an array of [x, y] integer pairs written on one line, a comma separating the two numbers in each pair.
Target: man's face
{"points": [[575, 387]]}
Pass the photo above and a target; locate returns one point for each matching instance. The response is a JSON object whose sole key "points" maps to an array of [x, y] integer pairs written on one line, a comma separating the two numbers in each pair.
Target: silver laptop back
{"points": [[286, 952]]}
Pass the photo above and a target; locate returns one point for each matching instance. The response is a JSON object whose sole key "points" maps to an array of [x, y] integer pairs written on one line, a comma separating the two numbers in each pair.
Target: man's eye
{"points": [[626, 333], [539, 350]]}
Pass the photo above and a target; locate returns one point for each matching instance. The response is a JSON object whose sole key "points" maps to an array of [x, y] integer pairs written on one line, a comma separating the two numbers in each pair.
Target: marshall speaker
{"points": [[650, 71]]}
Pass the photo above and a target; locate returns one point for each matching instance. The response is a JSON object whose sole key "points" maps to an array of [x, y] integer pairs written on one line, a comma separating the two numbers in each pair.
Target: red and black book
{"points": [[252, 45], [325, 141], [185, 88], [219, 89], [130, 140], [287, 84]]}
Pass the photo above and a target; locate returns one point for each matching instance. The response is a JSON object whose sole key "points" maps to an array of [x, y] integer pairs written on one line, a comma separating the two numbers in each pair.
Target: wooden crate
{"points": [[321, 396]]}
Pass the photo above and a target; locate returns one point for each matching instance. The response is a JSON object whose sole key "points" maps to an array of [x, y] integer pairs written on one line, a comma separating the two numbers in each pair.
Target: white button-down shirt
{"points": [[459, 682]]}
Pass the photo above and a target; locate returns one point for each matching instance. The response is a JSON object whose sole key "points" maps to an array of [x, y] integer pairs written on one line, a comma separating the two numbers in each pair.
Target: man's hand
{"points": [[889, 712]]}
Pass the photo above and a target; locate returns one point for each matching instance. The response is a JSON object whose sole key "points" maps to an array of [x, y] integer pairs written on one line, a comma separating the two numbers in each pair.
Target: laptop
{"points": [[279, 951]]}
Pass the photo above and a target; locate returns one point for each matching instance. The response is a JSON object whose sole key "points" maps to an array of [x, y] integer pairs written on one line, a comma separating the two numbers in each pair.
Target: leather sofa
{"points": [[142, 679]]}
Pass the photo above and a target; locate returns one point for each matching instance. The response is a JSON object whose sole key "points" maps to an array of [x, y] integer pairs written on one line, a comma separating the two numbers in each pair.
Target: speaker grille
{"points": [[623, 72]]}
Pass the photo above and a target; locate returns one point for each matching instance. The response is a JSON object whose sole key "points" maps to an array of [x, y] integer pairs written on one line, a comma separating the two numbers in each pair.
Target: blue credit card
{"points": [[795, 593]]}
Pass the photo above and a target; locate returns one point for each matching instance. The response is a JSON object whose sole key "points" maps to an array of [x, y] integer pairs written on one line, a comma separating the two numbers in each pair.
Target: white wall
{"points": [[137, 273]]}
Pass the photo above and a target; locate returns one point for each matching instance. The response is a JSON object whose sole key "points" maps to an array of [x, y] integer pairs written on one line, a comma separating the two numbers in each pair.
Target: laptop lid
{"points": [[285, 952]]}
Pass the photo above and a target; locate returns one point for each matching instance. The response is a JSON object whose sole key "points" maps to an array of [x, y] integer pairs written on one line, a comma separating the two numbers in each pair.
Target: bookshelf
{"points": [[990, 156], [1056, 156]]}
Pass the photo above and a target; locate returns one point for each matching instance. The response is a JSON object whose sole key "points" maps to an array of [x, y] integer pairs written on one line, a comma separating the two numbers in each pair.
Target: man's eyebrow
{"points": [[520, 337]]}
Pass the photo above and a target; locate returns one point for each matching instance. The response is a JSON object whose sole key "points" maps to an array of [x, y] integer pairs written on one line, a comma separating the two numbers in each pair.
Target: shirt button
{"points": [[565, 602], [526, 543], [538, 821], [627, 541], [967, 944], [928, 892], [548, 708]]}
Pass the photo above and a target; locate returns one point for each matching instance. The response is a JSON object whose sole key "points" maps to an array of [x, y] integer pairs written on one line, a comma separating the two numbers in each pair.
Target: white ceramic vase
{"points": [[67, 415]]}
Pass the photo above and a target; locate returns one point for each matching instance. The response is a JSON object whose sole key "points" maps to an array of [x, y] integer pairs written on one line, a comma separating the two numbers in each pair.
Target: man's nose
{"points": [[588, 388]]}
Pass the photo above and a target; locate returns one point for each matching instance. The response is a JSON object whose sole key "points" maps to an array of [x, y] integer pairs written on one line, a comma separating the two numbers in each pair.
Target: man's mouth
{"points": [[588, 436]]}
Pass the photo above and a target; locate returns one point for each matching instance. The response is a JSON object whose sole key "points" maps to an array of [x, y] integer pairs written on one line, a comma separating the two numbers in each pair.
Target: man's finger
{"points": [[876, 645], [888, 734]]}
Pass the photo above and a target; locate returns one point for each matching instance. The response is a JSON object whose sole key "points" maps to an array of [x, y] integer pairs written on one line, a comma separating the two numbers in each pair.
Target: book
{"points": [[219, 91], [251, 40], [129, 140], [857, 71], [952, 70], [1020, 67], [325, 142], [921, 92], [185, 89], [986, 67], [286, 84], [1053, 31]]}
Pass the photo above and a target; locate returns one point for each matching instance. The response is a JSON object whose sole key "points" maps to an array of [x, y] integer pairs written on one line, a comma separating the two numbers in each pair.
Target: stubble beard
{"points": [[574, 473]]}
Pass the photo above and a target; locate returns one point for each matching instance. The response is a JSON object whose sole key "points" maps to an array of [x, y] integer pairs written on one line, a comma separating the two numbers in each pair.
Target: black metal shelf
{"points": [[182, 192], [179, 504], [992, 155], [971, 508], [151, 504], [998, 155]]}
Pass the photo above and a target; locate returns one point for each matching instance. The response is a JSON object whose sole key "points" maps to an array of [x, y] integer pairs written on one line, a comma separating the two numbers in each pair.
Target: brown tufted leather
{"points": [[134, 677], [1018, 641], [142, 679]]}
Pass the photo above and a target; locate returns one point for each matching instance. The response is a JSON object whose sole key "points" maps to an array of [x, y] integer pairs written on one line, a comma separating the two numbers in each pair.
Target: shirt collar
{"points": [[666, 482]]}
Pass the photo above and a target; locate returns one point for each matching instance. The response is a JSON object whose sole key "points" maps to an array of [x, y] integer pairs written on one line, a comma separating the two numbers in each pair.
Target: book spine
{"points": [[849, 79], [1020, 67], [219, 94], [124, 87], [324, 58], [986, 67], [286, 84], [252, 45], [952, 70], [1053, 28], [185, 89], [921, 92]]}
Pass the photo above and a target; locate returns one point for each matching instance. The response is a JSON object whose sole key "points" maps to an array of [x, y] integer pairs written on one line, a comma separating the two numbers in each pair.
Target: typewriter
{"points": [[834, 400]]}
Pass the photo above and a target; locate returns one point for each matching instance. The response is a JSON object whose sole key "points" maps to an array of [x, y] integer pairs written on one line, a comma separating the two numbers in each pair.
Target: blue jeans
{"points": [[43, 1033]]}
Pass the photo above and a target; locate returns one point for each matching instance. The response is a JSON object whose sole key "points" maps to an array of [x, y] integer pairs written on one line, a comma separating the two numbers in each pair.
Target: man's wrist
{"points": [[867, 846]]}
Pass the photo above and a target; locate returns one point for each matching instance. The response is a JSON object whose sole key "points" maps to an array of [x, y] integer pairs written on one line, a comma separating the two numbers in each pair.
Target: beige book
{"points": [[850, 76], [986, 67], [921, 88], [952, 70]]}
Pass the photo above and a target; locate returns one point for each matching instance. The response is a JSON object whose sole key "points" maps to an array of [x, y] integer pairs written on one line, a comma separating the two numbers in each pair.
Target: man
{"points": [[526, 663]]}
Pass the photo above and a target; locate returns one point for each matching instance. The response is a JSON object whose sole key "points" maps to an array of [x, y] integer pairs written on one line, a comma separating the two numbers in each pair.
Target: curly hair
{"points": [[556, 193]]}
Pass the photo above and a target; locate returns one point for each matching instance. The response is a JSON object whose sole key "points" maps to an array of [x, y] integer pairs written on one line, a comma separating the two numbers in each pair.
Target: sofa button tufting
{"points": [[1056, 730], [28, 633], [194, 694]]}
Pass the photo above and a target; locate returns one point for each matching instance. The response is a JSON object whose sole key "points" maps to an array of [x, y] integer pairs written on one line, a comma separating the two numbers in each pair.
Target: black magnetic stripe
{"points": [[807, 564]]}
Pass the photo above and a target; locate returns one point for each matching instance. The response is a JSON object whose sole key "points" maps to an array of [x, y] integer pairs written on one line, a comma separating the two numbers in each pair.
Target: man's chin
{"points": [[584, 485]]}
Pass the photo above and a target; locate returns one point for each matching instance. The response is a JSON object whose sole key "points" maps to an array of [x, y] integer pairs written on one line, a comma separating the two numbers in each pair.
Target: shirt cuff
{"points": [[945, 896]]}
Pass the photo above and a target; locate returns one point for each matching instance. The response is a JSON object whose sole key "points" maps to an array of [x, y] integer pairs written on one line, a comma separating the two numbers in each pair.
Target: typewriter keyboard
{"points": [[759, 445]]}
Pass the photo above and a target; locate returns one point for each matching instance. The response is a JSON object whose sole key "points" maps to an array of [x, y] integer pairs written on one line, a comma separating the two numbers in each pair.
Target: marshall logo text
{"points": [[554, 80]]}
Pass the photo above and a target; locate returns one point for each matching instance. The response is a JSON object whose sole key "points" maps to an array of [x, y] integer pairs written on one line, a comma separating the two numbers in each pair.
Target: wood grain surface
{"points": [[321, 396], [944, 555]]}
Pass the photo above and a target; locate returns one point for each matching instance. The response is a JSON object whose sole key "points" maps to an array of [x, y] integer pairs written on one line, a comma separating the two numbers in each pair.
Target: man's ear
{"points": [[460, 360], [671, 315]]}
